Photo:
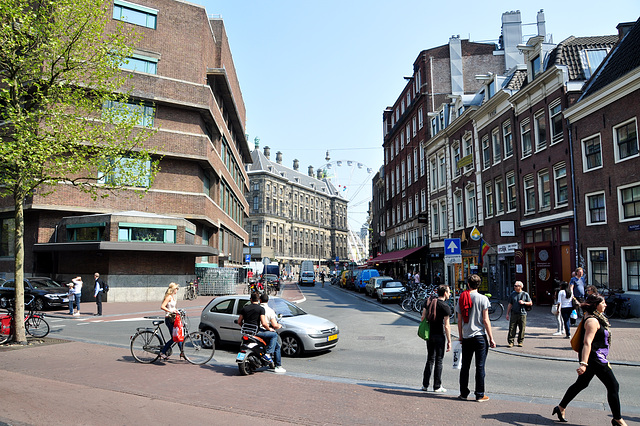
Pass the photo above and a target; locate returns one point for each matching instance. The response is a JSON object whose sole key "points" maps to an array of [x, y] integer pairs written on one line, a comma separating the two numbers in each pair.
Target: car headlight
{"points": [[312, 332]]}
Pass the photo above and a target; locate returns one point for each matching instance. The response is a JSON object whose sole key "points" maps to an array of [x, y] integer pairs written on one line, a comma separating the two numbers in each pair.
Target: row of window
{"points": [[230, 204], [628, 205], [405, 174], [598, 267], [626, 146]]}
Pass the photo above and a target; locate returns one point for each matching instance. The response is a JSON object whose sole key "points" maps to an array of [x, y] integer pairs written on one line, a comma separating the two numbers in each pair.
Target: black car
{"points": [[47, 292]]}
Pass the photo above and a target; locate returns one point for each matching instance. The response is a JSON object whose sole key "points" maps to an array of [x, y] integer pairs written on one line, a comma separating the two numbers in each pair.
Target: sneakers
{"points": [[483, 399], [519, 345], [558, 333], [76, 314], [510, 345], [267, 358], [279, 370], [462, 398], [424, 389], [440, 390]]}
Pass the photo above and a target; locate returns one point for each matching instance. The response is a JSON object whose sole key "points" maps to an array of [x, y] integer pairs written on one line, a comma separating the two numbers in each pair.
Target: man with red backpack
{"points": [[436, 310]]}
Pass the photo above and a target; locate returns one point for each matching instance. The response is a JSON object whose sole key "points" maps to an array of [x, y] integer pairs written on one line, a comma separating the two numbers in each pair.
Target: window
{"points": [[631, 268], [435, 221], [591, 59], [598, 267], [630, 202], [415, 197], [541, 131], [404, 211], [7, 237], [414, 127], [401, 141], [126, 172], [407, 131], [499, 196], [421, 153], [486, 153], [410, 203], [468, 151], [560, 177], [592, 153], [423, 200], [456, 158], [497, 148], [472, 212], [442, 170], [141, 64], [596, 209], [397, 180], [488, 198], [134, 14], [525, 131], [256, 203], [555, 112], [402, 174], [511, 192], [434, 174], [507, 139], [409, 169], [393, 184], [142, 114], [443, 217], [146, 232], [535, 67], [544, 189], [415, 164], [459, 211], [626, 139], [420, 118], [397, 146], [529, 194], [434, 126]]}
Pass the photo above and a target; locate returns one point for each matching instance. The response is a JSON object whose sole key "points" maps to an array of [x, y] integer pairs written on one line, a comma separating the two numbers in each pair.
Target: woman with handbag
{"points": [[566, 307], [169, 307], [592, 357]]}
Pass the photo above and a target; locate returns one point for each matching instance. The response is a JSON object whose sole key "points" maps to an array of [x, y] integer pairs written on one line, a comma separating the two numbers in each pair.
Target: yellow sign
{"points": [[475, 234]]}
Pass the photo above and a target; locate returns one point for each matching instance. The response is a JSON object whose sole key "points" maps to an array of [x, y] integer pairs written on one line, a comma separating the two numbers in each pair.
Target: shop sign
{"points": [[507, 228], [507, 248]]}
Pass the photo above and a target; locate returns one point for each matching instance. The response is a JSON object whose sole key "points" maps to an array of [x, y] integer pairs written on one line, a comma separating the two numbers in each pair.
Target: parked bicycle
{"points": [[617, 305], [191, 290], [34, 322], [496, 308], [198, 347]]}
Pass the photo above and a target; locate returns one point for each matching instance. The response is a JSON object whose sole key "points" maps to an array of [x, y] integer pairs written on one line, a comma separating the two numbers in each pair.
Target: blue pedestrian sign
{"points": [[452, 246]]}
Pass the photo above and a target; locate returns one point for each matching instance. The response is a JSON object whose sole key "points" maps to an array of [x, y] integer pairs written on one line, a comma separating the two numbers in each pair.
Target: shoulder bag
{"points": [[578, 337], [423, 329]]}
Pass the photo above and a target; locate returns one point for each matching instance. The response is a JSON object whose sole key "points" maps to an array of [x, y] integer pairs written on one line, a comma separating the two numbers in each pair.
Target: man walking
{"points": [[517, 313], [99, 290], [474, 329]]}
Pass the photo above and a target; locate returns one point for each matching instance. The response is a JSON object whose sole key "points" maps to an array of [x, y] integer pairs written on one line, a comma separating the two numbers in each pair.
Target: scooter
{"points": [[253, 351]]}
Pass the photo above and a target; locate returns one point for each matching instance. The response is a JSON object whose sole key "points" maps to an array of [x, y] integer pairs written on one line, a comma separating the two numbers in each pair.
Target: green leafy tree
{"points": [[65, 111]]}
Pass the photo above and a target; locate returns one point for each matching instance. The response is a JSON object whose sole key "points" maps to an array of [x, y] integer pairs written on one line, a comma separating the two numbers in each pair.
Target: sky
{"points": [[316, 76]]}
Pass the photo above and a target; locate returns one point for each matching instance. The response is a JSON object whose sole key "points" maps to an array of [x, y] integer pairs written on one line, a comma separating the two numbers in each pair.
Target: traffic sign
{"points": [[452, 246], [247, 258]]}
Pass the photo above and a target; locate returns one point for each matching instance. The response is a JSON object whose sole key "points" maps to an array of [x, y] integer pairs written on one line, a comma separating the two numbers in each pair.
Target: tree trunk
{"points": [[18, 318]]}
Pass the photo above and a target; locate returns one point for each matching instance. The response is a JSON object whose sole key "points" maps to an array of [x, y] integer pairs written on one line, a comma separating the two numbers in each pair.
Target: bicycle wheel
{"points": [[198, 348], [407, 304], [417, 305], [36, 326], [495, 311], [624, 310], [145, 347]]}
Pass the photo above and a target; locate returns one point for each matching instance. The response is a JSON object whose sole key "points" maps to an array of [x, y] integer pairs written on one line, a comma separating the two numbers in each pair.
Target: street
{"points": [[378, 345]]}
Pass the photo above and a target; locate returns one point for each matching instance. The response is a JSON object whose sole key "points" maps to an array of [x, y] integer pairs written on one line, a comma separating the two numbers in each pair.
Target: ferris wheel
{"points": [[350, 177]]}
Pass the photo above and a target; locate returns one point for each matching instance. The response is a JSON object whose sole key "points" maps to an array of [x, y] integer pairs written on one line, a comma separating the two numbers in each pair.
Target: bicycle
{"points": [[617, 304], [191, 290], [198, 347], [34, 323], [496, 308]]}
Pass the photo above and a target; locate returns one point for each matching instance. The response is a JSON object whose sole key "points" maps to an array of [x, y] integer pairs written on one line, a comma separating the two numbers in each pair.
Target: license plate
{"points": [[332, 337], [241, 356]]}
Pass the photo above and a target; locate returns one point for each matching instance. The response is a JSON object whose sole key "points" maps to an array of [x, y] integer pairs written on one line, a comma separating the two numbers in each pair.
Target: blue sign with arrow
{"points": [[452, 246]]}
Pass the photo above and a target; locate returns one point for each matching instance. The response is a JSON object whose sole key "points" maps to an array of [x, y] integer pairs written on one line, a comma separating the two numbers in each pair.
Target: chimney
{"points": [[623, 28], [319, 174], [267, 152], [310, 171], [511, 38], [296, 164], [541, 25], [455, 64], [279, 157]]}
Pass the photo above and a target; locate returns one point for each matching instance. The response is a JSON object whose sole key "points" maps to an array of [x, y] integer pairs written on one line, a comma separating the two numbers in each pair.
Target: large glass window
{"points": [[592, 153], [626, 138], [141, 64], [134, 14], [599, 271], [560, 176], [126, 172], [146, 233], [596, 212], [630, 199], [142, 113], [85, 232]]}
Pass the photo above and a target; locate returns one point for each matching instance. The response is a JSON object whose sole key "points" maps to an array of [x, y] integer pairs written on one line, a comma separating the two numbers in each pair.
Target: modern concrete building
{"points": [[194, 212]]}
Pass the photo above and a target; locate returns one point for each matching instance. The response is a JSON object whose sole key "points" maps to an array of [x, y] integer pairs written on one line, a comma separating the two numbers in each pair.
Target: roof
{"points": [[567, 53], [517, 80], [623, 59], [262, 164]]}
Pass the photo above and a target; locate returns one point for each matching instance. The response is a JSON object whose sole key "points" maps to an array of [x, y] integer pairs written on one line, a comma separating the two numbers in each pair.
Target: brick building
{"points": [[183, 73]]}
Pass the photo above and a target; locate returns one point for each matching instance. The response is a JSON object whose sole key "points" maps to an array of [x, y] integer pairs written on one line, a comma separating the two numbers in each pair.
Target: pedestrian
{"points": [[169, 306], [593, 360], [591, 289], [416, 278], [474, 331], [555, 310], [77, 293], [439, 334], [437, 280], [517, 313], [565, 305], [272, 320], [98, 292], [576, 285], [322, 277], [71, 296]]}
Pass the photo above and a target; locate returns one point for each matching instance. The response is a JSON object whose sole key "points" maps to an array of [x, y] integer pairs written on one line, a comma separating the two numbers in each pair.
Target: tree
{"points": [[65, 112]]}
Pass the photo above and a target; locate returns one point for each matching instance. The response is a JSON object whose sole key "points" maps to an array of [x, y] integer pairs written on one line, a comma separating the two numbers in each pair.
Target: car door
{"points": [[221, 316]]}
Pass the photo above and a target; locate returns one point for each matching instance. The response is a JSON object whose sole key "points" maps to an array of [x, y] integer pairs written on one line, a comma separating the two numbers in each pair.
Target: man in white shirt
{"points": [[272, 320]]}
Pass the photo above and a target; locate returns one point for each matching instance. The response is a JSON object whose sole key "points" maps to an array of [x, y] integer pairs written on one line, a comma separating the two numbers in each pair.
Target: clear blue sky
{"points": [[317, 75]]}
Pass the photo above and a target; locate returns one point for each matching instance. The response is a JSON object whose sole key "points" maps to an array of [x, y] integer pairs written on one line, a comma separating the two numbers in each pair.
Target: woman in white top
{"points": [[169, 307], [565, 306], [77, 293]]}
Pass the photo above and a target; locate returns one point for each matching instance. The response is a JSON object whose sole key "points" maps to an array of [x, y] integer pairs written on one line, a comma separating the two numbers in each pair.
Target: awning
{"points": [[395, 256]]}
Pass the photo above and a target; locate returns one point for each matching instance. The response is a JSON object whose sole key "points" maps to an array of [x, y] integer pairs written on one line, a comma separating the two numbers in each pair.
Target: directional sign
{"points": [[452, 246]]}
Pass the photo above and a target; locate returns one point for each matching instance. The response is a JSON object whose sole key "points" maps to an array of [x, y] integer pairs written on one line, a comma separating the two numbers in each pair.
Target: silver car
{"points": [[302, 332]]}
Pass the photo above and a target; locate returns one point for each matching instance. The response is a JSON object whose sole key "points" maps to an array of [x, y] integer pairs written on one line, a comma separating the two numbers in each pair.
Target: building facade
{"points": [[192, 99], [293, 216]]}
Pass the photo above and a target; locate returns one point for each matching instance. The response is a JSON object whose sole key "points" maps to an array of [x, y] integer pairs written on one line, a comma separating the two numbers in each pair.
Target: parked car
{"points": [[307, 278], [374, 283], [273, 279], [363, 278], [302, 332], [47, 292], [390, 290]]}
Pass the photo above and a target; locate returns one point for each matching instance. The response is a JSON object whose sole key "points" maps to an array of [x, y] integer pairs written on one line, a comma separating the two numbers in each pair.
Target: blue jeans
{"points": [[77, 301], [566, 317], [273, 347], [478, 346], [71, 302], [169, 323]]}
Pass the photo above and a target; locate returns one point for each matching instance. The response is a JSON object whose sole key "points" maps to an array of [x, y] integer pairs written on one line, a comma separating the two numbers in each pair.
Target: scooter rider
{"points": [[272, 320], [253, 314]]}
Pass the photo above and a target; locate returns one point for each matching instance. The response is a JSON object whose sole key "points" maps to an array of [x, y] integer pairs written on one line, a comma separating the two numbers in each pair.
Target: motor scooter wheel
{"points": [[248, 365]]}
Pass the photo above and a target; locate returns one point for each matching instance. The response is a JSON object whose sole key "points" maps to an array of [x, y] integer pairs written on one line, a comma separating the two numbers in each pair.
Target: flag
{"points": [[484, 248]]}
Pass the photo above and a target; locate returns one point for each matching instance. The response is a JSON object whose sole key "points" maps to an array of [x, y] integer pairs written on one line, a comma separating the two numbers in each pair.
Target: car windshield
{"points": [[44, 283], [391, 284], [287, 309], [270, 277]]}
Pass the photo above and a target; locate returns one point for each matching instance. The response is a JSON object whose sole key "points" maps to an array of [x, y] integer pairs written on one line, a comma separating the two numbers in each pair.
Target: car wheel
{"points": [[38, 304], [213, 336], [291, 345]]}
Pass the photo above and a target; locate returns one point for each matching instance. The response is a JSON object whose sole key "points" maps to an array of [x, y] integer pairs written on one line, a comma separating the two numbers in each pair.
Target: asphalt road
{"points": [[379, 346]]}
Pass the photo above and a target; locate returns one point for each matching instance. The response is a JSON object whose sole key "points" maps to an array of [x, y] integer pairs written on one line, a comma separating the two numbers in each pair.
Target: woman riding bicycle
{"points": [[169, 307]]}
